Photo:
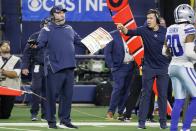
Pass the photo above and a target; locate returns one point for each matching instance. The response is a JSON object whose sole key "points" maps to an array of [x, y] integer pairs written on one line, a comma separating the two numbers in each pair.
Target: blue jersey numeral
{"points": [[175, 45]]}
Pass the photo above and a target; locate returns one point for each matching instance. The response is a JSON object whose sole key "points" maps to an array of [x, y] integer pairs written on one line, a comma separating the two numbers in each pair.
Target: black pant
{"points": [[148, 77], [151, 108], [59, 84], [135, 91], [6, 105], [38, 87], [134, 95], [169, 93]]}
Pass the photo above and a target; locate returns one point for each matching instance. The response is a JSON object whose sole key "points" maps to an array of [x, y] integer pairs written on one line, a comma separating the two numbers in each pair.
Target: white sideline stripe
{"points": [[17, 129], [88, 124]]}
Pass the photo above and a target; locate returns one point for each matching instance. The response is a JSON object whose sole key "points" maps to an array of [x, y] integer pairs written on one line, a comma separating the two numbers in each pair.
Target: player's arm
{"points": [[165, 50], [189, 46]]}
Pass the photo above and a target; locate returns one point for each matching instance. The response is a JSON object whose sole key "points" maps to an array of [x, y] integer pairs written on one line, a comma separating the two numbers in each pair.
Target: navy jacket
{"points": [[60, 42], [32, 56], [153, 43], [114, 51]]}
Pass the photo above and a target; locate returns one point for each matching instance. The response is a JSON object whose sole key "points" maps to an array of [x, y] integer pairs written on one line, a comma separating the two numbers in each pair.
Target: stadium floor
{"points": [[87, 118]]}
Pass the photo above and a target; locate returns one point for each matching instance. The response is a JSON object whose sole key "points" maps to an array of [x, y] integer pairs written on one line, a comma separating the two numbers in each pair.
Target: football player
{"points": [[180, 45]]}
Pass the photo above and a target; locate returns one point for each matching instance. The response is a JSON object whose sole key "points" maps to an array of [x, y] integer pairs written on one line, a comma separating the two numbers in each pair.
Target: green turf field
{"points": [[87, 118]]}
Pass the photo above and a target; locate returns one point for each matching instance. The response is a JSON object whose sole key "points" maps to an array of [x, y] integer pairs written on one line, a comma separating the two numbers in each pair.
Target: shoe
{"points": [[52, 126], [34, 118], [140, 126], [163, 126], [151, 120], [43, 120], [120, 117], [110, 115], [125, 119], [168, 117], [67, 125]]}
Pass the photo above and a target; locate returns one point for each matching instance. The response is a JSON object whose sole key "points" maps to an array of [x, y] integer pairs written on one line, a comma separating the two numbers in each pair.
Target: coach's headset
{"points": [[156, 13], [56, 9]]}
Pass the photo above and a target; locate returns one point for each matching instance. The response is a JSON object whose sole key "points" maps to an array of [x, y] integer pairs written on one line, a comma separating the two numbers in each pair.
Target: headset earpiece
{"points": [[157, 17], [156, 13]]}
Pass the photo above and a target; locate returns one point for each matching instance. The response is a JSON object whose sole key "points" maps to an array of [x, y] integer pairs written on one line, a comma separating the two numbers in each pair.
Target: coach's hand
{"points": [[122, 28], [25, 72], [33, 46]]}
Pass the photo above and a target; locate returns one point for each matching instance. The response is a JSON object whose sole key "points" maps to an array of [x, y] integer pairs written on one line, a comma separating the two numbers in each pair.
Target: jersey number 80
{"points": [[173, 42]]}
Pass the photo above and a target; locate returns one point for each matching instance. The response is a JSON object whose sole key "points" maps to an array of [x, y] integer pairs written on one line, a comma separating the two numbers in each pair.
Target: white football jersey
{"points": [[175, 37]]}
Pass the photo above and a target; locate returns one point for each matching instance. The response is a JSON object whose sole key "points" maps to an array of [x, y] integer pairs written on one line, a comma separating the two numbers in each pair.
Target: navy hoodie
{"points": [[153, 43], [60, 42]]}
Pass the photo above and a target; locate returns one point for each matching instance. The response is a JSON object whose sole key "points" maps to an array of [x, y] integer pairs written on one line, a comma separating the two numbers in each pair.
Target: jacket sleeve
{"points": [[26, 57], [136, 32], [108, 54], [80, 48], [43, 38]]}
